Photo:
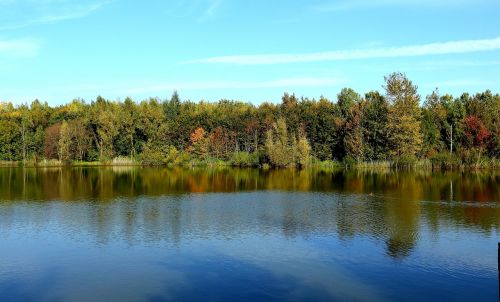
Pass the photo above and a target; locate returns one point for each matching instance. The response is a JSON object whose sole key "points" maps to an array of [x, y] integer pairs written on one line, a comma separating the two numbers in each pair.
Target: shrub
{"points": [[445, 160], [349, 161], [244, 159]]}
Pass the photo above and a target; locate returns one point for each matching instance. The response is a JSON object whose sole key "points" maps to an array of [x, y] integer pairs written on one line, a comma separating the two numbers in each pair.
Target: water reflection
{"points": [[381, 204], [258, 235], [106, 183]]}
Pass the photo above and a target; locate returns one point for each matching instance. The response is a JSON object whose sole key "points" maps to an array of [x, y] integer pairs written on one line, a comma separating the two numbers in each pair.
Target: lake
{"points": [[160, 234]]}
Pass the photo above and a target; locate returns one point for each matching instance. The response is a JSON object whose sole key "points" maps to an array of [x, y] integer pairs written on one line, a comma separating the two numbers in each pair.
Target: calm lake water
{"points": [[145, 234]]}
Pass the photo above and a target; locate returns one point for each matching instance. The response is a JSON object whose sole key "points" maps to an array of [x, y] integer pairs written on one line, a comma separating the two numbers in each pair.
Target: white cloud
{"points": [[441, 48], [15, 14], [20, 47]]}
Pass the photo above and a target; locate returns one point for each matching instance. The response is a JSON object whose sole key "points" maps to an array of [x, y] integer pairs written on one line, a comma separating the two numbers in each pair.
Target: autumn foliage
{"points": [[392, 126], [475, 131]]}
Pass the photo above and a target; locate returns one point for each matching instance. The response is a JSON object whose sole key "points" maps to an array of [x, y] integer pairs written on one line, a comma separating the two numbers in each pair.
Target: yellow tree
{"points": [[405, 137], [285, 150], [65, 139], [303, 150], [278, 146]]}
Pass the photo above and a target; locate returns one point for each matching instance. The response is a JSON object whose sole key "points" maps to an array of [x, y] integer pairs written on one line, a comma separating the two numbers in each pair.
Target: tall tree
{"points": [[405, 137], [65, 142], [129, 121], [81, 137], [433, 120], [375, 112], [199, 143], [10, 139], [107, 127], [353, 133], [278, 145], [303, 150]]}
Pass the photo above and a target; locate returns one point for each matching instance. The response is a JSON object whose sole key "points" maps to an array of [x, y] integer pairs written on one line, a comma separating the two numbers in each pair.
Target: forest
{"points": [[396, 127]]}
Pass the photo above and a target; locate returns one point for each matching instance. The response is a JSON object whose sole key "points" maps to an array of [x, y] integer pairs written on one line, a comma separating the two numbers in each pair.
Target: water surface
{"points": [[145, 234]]}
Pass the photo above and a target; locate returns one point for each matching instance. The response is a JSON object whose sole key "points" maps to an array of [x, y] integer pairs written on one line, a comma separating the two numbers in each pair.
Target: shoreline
{"points": [[422, 165]]}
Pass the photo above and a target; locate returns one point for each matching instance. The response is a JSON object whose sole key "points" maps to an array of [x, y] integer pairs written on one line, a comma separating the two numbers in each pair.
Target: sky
{"points": [[252, 51]]}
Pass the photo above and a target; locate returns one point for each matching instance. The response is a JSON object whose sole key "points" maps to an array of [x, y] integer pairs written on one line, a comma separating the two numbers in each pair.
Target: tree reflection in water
{"points": [[155, 204]]}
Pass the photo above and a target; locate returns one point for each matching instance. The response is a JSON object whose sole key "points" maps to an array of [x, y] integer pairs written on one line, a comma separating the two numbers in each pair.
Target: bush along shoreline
{"points": [[396, 128]]}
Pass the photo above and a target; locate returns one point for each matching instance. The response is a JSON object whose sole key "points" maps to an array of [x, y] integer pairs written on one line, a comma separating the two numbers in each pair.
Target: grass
{"points": [[6, 163], [438, 163]]}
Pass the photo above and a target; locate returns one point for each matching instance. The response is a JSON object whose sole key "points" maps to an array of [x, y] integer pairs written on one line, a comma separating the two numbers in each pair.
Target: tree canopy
{"points": [[394, 125]]}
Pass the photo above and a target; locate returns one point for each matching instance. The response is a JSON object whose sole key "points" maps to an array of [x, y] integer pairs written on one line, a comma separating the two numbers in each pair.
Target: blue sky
{"points": [[57, 50]]}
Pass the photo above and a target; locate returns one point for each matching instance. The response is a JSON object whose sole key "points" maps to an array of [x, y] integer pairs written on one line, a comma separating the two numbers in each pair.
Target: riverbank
{"points": [[491, 164]]}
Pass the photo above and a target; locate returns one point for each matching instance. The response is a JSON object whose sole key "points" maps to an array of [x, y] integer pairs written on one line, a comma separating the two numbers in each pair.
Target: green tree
{"points": [[353, 134], [10, 139], [129, 119], [346, 99], [321, 125], [433, 117], [107, 125], [26, 124], [81, 137], [374, 122]]}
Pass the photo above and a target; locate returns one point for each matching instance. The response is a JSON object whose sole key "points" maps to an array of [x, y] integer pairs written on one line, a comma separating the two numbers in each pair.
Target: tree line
{"points": [[395, 126]]}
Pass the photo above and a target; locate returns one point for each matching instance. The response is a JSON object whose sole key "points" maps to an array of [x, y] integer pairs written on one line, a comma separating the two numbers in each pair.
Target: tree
{"points": [[290, 111], [151, 122], [374, 123], [353, 139], [199, 143], [433, 118], [25, 130], [81, 137], [129, 121], [346, 99], [107, 125], [303, 150], [393, 126], [278, 147], [222, 142], [10, 138], [321, 126], [51, 142], [65, 141], [405, 138], [475, 132], [285, 150]]}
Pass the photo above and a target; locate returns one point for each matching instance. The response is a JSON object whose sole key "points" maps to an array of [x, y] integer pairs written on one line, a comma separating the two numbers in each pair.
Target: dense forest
{"points": [[396, 127]]}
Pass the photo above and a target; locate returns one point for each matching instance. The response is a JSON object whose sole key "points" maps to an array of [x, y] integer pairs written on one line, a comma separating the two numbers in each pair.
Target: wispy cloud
{"points": [[460, 83], [211, 10], [20, 47], [198, 10], [344, 5], [205, 85], [17, 14], [454, 47], [69, 91]]}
